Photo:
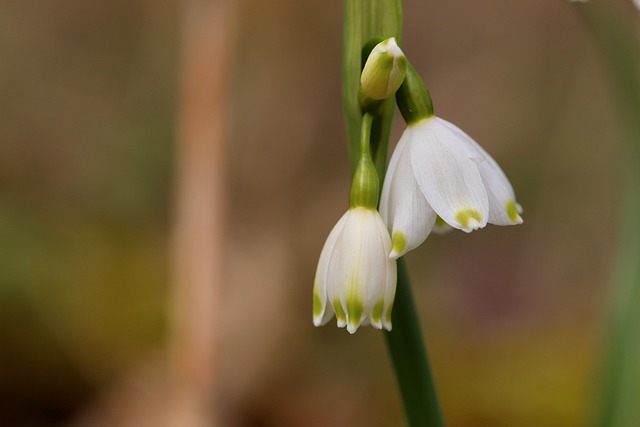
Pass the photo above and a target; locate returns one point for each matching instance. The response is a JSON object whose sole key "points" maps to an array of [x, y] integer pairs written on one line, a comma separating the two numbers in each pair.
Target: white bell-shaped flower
{"points": [[437, 170], [355, 278]]}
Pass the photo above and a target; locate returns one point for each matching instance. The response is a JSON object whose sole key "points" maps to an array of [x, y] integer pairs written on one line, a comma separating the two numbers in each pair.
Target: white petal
{"points": [[446, 175], [322, 316], [503, 209], [376, 313], [407, 213], [413, 221], [392, 181], [376, 245], [333, 288], [355, 279], [390, 280]]}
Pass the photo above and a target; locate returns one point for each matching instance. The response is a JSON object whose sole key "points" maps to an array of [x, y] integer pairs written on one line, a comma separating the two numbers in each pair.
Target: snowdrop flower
{"points": [[439, 172], [355, 278]]}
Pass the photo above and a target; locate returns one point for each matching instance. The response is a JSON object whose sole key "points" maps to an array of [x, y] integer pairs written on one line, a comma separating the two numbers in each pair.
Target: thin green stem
{"points": [[365, 135], [620, 384], [409, 358]]}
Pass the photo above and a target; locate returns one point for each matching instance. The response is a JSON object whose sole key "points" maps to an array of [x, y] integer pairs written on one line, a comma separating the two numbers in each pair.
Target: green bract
{"points": [[365, 186], [414, 101]]}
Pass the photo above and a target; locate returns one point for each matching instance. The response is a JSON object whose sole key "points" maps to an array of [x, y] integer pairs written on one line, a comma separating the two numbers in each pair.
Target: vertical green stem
{"points": [[409, 358], [365, 135], [620, 385], [379, 19], [365, 20]]}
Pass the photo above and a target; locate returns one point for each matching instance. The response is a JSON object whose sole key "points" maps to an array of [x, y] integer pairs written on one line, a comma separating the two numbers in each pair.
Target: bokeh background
{"points": [[514, 317]]}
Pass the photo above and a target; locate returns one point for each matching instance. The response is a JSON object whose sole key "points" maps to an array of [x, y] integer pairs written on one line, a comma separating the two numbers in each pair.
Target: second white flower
{"points": [[438, 170]]}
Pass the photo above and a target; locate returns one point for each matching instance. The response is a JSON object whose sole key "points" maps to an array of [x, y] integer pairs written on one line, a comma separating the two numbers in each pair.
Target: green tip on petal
{"points": [[376, 313], [340, 314], [355, 308], [317, 305], [440, 222], [387, 317], [469, 219], [399, 244], [512, 212]]}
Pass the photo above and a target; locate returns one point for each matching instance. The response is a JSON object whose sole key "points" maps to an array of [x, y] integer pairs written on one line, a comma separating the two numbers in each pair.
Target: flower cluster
{"points": [[438, 178]]}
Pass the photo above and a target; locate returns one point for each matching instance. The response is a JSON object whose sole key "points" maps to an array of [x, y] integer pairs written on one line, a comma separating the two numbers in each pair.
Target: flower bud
{"points": [[384, 70]]}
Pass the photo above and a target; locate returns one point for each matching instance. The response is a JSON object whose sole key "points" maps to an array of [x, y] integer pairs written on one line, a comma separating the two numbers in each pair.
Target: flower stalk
{"points": [[364, 21], [409, 357], [367, 20]]}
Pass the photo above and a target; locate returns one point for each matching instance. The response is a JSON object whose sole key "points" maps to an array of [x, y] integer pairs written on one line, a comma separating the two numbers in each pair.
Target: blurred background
{"points": [[513, 316]]}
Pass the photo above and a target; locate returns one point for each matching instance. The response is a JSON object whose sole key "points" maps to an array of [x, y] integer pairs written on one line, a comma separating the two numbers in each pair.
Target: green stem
{"points": [[367, 20], [409, 358], [620, 383], [365, 135]]}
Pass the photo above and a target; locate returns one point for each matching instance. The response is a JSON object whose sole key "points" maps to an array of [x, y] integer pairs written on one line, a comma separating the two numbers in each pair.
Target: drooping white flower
{"points": [[437, 170], [356, 279]]}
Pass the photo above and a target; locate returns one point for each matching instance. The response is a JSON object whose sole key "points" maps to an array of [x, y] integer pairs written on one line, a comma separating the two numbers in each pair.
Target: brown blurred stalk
{"points": [[198, 230]]}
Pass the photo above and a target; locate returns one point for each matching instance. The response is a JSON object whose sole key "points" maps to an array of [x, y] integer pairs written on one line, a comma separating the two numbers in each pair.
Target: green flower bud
{"points": [[384, 70]]}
